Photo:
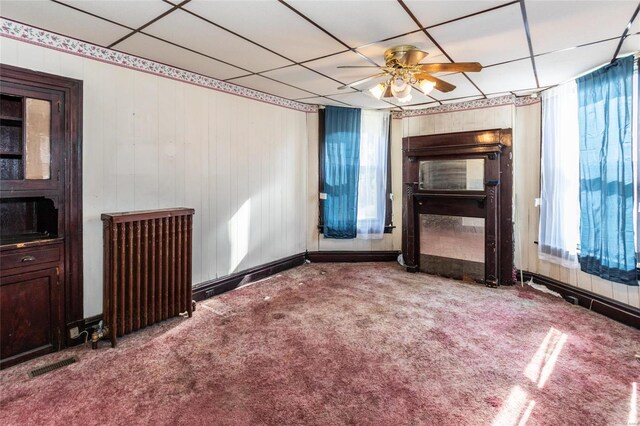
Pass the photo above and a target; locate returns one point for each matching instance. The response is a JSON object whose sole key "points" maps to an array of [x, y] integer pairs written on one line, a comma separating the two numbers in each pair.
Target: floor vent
{"points": [[47, 368]]}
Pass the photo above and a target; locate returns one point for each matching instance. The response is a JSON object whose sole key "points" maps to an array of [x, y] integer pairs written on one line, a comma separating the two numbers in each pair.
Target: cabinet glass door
{"points": [[38, 139], [31, 126]]}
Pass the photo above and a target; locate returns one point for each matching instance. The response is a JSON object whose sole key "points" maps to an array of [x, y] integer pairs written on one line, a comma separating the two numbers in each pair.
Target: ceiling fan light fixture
{"points": [[399, 87], [378, 90], [426, 86], [405, 99]]}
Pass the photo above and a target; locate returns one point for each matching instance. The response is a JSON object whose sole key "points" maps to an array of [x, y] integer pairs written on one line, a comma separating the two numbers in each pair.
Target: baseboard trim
{"points": [[352, 256], [214, 287], [601, 304]]}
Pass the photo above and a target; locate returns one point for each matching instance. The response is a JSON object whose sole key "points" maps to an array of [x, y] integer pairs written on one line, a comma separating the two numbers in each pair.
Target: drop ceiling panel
{"points": [[329, 66], [360, 100], [463, 88], [154, 49], [558, 25], [356, 22], [322, 101], [431, 12], [456, 101], [133, 13], [376, 51], [305, 79], [631, 45], [429, 105], [63, 20], [187, 30], [559, 67], [505, 78], [273, 87], [271, 24], [488, 38]]}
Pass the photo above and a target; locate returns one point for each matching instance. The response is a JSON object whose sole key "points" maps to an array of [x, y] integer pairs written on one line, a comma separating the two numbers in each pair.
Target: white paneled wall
{"points": [[525, 122], [315, 240], [151, 142]]}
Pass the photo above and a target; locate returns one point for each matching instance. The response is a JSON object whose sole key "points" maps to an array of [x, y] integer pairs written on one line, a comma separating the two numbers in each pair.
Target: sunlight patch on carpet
{"points": [[515, 410], [544, 360]]}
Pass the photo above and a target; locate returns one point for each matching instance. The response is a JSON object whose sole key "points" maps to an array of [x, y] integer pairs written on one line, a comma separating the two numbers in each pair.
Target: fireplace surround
{"points": [[452, 184]]}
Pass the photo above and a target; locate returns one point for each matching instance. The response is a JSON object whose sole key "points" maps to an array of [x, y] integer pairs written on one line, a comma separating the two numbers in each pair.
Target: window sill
{"points": [[387, 229]]}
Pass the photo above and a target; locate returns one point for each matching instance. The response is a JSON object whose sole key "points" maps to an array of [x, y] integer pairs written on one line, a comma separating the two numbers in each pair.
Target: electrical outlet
{"points": [[74, 333]]}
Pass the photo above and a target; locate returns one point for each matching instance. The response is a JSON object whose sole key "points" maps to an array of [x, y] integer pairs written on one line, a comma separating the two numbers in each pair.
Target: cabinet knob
{"points": [[28, 259]]}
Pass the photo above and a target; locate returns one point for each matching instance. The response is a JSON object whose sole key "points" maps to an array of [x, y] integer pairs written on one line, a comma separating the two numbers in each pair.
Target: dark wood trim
{"points": [[603, 305], [72, 227], [493, 204], [352, 256], [212, 288]]}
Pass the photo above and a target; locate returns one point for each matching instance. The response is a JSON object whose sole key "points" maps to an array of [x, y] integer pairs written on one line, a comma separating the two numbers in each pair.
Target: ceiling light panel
{"points": [[558, 25], [506, 77], [329, 66], [133, 13], [187, 30], [271, 24], [273, 87], [156, 50], [435, 12], [355, 22], [558, 67], [418, 39], [305, 79], [489, 38], [63, 20]]}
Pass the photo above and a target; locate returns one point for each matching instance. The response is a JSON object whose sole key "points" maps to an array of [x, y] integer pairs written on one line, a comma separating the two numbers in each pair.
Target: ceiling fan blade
{"points": [[359, 66], [441, 85], [364, 80], [412, 57], [455, 67]]}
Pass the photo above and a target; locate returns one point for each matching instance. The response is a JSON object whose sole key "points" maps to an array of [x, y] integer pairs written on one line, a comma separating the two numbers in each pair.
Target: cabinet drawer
{"points": [[22, 258]]}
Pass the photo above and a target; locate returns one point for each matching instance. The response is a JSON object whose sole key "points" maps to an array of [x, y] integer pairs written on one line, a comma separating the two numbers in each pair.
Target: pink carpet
{"points": [[361, 344]]}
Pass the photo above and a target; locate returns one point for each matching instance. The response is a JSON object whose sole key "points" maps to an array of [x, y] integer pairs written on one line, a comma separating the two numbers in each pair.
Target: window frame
{"points": [[388, 215]]}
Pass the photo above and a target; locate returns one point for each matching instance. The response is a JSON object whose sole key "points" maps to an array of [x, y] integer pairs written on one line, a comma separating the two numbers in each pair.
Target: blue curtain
{"points": [[606, 172], [341, 171]]}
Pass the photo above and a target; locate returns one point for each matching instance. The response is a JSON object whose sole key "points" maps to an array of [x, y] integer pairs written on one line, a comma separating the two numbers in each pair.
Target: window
{"points": [[589, 173], [374, 182]]}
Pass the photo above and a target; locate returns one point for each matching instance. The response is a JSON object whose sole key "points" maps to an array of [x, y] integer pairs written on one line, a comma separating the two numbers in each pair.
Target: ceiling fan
{"points": [[404, 70]]}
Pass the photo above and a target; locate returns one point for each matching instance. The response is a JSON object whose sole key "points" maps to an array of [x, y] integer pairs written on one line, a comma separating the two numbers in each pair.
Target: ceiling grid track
{"points": [[625, 32], [157, 18], [525, 20], [307, 64], [433, 40]]}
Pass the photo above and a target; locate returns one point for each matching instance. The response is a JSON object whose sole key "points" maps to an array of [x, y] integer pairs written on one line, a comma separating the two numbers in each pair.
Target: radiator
{"points": [[147, 268]]}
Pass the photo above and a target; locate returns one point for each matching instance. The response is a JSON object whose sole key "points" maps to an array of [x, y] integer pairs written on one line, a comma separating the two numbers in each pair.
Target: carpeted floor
{"points": [[362, 344]]}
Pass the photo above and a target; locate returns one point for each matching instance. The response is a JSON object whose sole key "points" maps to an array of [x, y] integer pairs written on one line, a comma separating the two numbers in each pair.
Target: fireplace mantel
{"points": [[492, 203]]}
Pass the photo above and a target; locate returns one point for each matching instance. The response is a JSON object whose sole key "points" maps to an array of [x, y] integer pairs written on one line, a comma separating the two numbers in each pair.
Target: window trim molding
{"points": [[388, 215]]}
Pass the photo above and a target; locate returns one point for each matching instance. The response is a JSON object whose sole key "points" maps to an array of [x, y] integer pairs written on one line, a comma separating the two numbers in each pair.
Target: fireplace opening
{"points": [[453, 246]]}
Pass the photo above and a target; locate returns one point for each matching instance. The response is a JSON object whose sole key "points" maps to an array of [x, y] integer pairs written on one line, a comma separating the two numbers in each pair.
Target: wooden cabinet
{"points": [[39, 213], [31, 316]]}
